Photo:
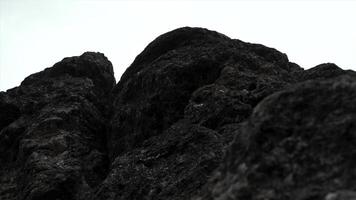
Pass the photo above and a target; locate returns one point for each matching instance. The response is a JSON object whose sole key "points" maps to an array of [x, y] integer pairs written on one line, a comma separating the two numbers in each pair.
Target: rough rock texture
{"points": [[53, 136], [298, 144], [196, 116]]}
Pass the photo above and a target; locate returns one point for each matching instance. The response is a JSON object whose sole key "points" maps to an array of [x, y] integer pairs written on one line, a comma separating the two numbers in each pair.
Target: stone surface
{"points": [[297, 144], [156, 89], [54, 144], [197, 115]]}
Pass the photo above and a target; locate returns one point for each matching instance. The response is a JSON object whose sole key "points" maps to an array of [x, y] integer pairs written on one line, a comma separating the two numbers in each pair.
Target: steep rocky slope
{"points": [[196, 116]]}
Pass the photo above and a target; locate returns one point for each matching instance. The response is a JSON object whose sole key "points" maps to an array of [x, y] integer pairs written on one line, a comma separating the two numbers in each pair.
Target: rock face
{"points": [[196, 116], [297, 144], [53, 136]]}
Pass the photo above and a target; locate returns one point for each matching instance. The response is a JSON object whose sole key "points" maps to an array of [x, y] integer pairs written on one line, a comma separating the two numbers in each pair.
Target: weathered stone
{"points": [[155, 90], [56, 146], [196, 116], [297, 144]]}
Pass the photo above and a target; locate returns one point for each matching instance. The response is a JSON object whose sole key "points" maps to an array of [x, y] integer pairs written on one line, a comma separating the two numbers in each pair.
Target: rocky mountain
{"points": [[196, 116]]}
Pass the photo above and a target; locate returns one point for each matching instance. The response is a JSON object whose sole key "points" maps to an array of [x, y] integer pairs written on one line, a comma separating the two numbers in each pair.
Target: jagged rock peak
{"points": [[175, 39], [93, 65], [189, 38]]}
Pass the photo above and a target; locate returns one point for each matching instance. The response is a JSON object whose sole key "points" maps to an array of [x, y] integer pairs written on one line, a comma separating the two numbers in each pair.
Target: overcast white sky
{"points": [[35, 34]]}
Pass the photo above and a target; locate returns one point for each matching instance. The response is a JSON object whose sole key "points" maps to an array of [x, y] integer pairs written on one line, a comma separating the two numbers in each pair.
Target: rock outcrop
{"points": [[196, 116], [53, 144], [297, 144]]}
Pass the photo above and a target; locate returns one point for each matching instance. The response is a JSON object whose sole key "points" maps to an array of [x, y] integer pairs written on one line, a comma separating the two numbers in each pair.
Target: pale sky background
{"points": [[35, 34]]}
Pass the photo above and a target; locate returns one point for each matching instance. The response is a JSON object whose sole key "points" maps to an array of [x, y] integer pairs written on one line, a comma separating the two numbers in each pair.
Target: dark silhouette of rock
{"points": [[155, 90], [196, 116], [55, 146], [297, 144]]}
